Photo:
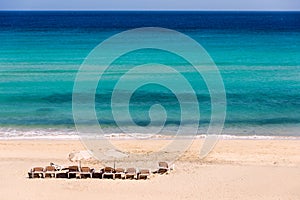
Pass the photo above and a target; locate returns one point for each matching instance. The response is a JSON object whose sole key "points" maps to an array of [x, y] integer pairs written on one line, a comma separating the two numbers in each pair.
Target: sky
{"points": [[280, 5]]}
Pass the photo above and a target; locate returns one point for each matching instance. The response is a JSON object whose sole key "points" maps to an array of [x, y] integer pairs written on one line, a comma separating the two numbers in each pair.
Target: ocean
{"points": [[257, 54]]}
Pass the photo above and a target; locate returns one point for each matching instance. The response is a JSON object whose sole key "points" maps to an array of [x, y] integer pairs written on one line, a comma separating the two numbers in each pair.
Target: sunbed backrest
{"points": [[85, 169], [163, 164], [49, 168], [73, 169], [108, 169], [37, 169], [131, 170], [120, 170], [144, 171]]}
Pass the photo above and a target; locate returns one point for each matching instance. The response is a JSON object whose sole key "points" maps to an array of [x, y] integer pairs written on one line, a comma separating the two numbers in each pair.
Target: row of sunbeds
{"points": [[53, 171]]}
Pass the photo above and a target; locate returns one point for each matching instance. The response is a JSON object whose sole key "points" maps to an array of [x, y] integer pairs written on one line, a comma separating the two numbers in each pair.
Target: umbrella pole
{"points": [[79, 164]]}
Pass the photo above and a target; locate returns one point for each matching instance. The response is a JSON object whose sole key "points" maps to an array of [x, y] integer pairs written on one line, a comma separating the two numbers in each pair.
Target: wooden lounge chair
{"points": [[86, 171], [163, 167], [108, 171], [143, 173], [97, 174], [130, 173], [36, 172], [63, 173], [50, 170], [120, 173], [73, 170]]}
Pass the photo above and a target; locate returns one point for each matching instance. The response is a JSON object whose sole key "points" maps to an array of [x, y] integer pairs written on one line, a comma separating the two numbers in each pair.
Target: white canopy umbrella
{"points": [[115, 154], [79, 156]]}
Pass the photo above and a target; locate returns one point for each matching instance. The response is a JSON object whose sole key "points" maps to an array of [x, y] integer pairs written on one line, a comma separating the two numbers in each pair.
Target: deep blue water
{"points": [[257, 53]]}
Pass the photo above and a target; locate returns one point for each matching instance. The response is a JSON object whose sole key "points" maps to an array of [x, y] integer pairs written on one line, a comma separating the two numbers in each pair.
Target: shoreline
{"points": [[70, 133], [156, 137]]}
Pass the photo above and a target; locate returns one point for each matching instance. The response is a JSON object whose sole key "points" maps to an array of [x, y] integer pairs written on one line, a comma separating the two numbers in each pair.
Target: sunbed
{"points": [[86, 171], [163, 167], [120, 173], [108, 171], [73, 170], [143, 173], [130, 173], [36, 172], [50, 170]]}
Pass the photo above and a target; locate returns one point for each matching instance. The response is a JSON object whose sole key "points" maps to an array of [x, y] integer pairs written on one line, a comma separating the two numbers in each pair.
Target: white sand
{"points": [[236, 169]]}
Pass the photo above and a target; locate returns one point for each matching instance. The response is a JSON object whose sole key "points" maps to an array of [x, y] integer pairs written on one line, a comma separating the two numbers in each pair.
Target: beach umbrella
{"points": [[79, 156], [115, 154]]}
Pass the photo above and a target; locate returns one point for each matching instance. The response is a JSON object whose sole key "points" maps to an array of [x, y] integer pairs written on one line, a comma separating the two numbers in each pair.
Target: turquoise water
{"points": [[258, 55]]}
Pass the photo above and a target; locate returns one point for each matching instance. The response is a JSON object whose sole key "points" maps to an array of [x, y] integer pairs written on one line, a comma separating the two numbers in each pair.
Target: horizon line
{"points": [[154, 10]]}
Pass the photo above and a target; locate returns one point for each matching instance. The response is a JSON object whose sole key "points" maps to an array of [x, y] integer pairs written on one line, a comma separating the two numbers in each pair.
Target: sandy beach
{"points": [[158, 79], [236, 169]]}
